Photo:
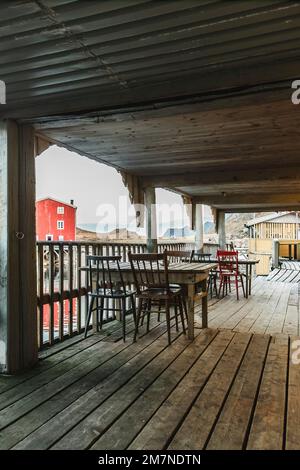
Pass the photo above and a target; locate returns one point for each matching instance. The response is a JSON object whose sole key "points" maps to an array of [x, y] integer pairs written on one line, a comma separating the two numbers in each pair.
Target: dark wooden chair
{"points": [[150, 273], [181, 256], [200, 257], [106, 277]]}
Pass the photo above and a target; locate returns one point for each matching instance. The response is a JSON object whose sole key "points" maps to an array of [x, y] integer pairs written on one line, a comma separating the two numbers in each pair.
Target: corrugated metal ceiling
{"points": [[52, 48]]}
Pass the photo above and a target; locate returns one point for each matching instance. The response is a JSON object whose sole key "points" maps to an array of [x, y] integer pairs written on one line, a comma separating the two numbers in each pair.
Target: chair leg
{"points": [[237, 287], [140, 307], [168, 321], [215, 286], [101, 313], [181, 313], [159, 310], [148, 315], [176, 314], [209, 286], [89, 316], [243, 287], [97, 314], [185, 308], [221, 285], [124, 318], [133, 307]]}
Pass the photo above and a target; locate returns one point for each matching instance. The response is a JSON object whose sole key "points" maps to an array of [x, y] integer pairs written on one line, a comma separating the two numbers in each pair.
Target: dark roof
{"points": [[190, 95]]}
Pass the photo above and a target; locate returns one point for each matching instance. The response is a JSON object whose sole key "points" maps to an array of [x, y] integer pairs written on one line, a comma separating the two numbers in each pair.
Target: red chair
{"points": [[229, 271]]}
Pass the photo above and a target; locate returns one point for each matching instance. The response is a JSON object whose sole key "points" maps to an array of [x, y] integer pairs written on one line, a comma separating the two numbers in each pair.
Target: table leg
{"points": [[247, 281], [191, 294], [204, 303], [250, 279]]}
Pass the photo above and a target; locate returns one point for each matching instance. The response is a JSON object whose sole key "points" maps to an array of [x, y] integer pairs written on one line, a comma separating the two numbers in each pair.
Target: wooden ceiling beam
{"points": [[230, 179], [251, 200]]}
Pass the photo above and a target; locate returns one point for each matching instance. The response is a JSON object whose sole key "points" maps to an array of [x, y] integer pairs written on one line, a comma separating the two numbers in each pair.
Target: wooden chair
{"points": [[200, 257], [150, 273], [109, 286], [228, 269], [181, 256]]}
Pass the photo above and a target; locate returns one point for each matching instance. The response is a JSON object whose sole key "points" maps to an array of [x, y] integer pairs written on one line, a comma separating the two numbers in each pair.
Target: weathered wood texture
{"points": [[18, 263], [179, 91], [273, 308], [225, 390]]}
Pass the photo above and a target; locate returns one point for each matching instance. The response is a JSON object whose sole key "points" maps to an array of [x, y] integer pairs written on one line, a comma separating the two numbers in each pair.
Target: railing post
{"points": [[18, 285], [151, 226]]}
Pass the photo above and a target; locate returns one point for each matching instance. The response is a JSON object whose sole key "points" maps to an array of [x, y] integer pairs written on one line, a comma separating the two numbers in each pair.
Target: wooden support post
{"points": [[151, 226], [221, 230], [18, 288], [199, 227], [275, 254]]}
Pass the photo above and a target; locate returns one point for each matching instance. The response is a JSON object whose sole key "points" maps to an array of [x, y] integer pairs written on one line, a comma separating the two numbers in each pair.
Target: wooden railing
{"points": [[63, 288]]}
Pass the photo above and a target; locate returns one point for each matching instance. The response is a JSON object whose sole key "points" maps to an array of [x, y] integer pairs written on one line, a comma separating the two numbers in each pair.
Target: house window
{"points": [[49, 237], [60, 225], [60, 238], [60, 210]]}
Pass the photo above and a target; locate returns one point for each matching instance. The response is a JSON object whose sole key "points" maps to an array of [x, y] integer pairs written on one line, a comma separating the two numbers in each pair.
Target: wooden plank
{"points": [[267, 429], [293, 403], [161, 427], [232, 425], [58, 353], [278, 318], [126, 428], [193, 434], [291, 322], [43, 425], [90, 429]]}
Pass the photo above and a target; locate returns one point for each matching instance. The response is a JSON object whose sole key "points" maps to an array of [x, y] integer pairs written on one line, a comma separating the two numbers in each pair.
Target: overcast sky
{"points": [[66, 175]]}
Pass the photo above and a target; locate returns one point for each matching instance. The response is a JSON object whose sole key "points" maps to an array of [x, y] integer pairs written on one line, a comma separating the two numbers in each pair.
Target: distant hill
{"points": [[178, 232], [114, 235], [209, 227]]}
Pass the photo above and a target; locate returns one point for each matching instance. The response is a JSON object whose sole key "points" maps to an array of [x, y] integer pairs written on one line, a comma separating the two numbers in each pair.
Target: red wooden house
{"points": [[55, 220]]}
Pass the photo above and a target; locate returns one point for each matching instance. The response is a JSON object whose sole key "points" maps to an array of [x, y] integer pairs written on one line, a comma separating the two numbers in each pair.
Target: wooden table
{"points": [[248, 263], [189, 274]]}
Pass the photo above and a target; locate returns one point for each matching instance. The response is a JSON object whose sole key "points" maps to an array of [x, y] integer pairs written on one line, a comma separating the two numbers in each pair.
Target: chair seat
{"points": [[112, 293], [230, 273], [161, 292]]}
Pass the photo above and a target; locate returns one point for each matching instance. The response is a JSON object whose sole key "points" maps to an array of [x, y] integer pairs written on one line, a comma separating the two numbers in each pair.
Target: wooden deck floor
{"points": [[225, 390], [272, 308]]}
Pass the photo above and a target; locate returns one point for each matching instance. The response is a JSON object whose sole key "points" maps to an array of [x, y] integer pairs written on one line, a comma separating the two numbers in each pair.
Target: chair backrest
{"points": [[150, 270], [178, 256], [228, 261], [201, 257], [100, 272]]}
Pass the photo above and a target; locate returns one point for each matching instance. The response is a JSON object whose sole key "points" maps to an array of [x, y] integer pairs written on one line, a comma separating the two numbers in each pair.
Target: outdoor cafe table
{"points": [[247, 263], [189, 274]]}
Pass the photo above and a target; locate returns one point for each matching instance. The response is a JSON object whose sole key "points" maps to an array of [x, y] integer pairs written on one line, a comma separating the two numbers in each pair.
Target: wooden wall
{"points": [[276, 230]]}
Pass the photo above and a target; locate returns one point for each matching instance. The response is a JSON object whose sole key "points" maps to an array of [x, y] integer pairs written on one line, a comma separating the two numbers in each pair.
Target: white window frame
{"points": [[49, 237], [60, 225], [60, 210], [61, 238]]}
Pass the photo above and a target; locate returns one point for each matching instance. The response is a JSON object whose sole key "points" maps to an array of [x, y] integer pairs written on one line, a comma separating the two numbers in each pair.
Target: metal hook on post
{"points": [[20, 235]]}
